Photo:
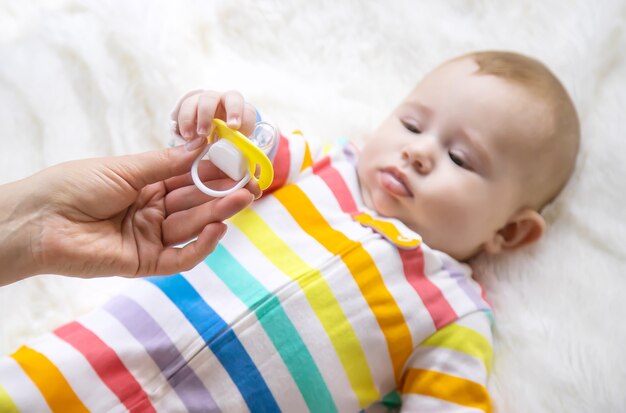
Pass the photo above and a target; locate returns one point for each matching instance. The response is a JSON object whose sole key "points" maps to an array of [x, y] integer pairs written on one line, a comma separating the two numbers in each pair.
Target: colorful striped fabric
{"points": [[311, 302]]}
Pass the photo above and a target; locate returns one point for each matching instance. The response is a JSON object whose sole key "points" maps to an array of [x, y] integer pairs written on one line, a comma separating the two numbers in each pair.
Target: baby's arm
{"points": [[293, 154], [448, 372]]}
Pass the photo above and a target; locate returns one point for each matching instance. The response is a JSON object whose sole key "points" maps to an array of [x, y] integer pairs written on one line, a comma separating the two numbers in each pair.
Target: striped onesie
{"points": [[311, 302]]}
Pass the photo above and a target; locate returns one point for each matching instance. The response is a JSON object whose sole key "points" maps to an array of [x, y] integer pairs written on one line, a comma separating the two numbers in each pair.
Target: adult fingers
{"points": [[174, 260], [184, 225], [207, 171], [149, 167], [189, 196]]}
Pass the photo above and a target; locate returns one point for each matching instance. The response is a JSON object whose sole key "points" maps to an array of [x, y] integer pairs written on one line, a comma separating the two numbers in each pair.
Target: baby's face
{"points": [[450, 160]]}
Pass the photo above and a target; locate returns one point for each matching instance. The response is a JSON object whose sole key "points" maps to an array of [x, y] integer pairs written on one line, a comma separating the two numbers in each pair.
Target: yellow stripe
{"points": [[321, 299], [363, 269], [326, 148], [49, 380], [6, 403], [465, 340], [449, 388]]}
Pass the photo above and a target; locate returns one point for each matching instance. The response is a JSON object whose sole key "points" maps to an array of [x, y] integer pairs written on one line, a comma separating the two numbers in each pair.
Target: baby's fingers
{"points": [[197, 111], [207, 107], [249, 119], [234, 107], [187, 116], [240, 114]]}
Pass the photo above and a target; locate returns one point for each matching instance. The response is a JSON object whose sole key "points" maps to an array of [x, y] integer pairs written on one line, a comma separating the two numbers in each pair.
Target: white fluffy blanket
{"points": [[92, 78]]}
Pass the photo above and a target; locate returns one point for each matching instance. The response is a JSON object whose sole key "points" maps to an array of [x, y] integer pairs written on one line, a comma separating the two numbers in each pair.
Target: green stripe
{"points": [[278, 327]]}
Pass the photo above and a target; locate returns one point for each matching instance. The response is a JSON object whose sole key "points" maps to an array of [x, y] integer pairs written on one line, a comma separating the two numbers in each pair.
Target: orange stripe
{"points": [[49, 380], [449, 388], [308, 159], [436, 303], [363, 269]]}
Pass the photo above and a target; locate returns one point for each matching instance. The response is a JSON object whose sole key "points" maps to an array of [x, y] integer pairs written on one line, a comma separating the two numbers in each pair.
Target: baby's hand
{"points": [[196, 111]]}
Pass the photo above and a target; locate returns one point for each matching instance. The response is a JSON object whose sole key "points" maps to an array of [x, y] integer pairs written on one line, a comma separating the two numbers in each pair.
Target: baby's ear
{"points": [[525, 227]]}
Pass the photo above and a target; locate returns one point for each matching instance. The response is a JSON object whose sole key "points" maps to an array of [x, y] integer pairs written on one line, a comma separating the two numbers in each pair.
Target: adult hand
{"points": [[114, 216]]}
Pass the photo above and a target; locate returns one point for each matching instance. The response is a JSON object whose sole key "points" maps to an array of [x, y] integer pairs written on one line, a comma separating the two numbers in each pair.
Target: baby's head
{"points": [[473, 154]]}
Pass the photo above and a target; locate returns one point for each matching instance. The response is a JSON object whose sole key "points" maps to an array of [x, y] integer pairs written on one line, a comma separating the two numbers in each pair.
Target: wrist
{"points": [[18, 216]]}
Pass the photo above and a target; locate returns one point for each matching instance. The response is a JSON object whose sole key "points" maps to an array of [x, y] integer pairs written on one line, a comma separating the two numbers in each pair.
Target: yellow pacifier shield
{"points": [[250, 151]]}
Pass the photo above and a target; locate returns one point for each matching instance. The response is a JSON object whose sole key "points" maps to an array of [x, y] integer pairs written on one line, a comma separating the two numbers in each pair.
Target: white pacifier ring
{"points": [[237, 156], [225, 157]]}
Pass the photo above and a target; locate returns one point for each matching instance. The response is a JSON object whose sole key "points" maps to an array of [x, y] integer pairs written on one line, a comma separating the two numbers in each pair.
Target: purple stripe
{"points": [[160, 347], [463, 282]]}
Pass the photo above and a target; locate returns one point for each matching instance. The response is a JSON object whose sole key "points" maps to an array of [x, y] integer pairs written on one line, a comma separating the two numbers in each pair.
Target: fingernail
{"points": [[195, 144], [202, 131], [233, 121], [186, 133], [222, 234]]}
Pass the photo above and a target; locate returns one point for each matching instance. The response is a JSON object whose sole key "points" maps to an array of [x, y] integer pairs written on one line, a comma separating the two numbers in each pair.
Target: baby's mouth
{"points": [[394, 181]]}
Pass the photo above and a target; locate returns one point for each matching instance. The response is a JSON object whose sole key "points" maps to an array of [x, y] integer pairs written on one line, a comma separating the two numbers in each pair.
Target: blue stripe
{"points": [[278, 327], [221, 340]]}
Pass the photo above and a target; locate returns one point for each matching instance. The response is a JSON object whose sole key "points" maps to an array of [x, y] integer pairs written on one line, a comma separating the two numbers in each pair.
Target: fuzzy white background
{"points": [[93, 78]]}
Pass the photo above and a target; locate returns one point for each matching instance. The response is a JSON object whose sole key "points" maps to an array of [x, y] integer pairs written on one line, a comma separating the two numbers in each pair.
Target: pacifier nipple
{"points": [[263, 136]]}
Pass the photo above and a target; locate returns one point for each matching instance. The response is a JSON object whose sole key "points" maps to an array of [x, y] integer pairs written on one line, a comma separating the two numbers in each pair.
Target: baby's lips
{"points": [[394, 183]]}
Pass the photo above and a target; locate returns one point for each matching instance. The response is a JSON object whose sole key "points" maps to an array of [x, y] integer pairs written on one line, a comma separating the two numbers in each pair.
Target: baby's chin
{"points": [[461, 254], [427, 239], [432, 238], [366, 194], [382, 205]]}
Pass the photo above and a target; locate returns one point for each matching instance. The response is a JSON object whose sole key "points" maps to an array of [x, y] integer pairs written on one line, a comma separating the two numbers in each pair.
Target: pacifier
{"points": [[239, 157]]}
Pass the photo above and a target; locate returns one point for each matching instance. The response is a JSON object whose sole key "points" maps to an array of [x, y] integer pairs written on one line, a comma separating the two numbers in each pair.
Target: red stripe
{"points": [[412, 259], [337, 185], [438, 307], [281, 164], [107, 365], [321, 164]]}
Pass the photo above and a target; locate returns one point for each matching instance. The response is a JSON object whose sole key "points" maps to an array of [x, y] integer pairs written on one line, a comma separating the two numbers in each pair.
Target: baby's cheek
{"points": [[384, 205], [453, 217]]}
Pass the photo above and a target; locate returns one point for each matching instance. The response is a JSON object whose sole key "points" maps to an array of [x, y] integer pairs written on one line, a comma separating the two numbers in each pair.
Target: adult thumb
{"points": [[146, 168]]}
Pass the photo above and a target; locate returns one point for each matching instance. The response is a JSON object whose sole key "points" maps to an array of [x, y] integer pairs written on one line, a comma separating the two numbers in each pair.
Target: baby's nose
{"points": [[422, 165], [421, 157]]}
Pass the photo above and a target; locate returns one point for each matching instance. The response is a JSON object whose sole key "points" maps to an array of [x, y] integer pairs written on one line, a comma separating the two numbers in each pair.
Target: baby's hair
{"points": [[560, 147]]}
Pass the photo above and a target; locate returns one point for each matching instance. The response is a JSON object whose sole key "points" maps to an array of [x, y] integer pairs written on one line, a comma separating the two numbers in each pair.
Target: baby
{"points": [[344, 288]]}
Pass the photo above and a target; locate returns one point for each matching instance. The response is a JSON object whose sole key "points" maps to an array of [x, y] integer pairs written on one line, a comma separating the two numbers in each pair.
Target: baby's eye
{"points": [[458, 160], [411, 126]]}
